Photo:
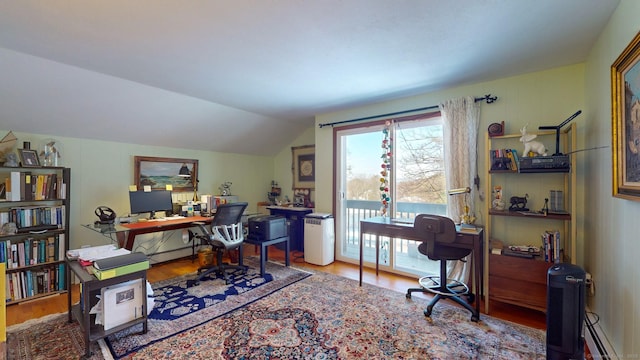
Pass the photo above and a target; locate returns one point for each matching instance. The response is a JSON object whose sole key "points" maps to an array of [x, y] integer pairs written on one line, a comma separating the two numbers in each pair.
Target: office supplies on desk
{"points": [[94, 253]]}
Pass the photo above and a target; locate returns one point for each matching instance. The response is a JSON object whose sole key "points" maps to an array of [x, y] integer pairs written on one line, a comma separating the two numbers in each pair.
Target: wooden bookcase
{"points": [[34, 256], [523, 281]]}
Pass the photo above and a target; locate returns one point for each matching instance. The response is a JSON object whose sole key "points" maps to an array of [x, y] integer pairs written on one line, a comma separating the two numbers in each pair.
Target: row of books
{"points": [[30, 216], [24, 186], [24, 284], [551, 246], [504, 159], [32, 251]]}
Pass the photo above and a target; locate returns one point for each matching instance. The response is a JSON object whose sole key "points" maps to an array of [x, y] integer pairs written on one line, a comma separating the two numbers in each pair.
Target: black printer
{"points": [[267, 227]]}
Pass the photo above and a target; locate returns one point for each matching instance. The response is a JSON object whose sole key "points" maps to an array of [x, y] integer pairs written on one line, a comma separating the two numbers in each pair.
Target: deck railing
{"points": [[363, 209]]}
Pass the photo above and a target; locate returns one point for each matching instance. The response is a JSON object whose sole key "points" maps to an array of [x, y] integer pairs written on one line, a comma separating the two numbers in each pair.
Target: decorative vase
{"points": [[51, 153]]}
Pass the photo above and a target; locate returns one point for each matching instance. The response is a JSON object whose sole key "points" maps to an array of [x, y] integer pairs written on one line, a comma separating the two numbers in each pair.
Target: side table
{"points": [[90, 286], [263, 249]]}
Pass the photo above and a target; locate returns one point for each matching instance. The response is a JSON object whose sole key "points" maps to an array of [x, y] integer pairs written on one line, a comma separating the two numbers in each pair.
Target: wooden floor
{"points": [[18, 313]]}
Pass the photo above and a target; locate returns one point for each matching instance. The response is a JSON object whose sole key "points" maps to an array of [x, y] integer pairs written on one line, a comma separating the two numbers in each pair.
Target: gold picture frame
{"points": [[158, 172], [303, 166], [625, 122]]}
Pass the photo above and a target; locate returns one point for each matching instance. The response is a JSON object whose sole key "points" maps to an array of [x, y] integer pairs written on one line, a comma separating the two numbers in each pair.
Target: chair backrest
{"points": [[227, 214], [226, 226], [434, 230]]}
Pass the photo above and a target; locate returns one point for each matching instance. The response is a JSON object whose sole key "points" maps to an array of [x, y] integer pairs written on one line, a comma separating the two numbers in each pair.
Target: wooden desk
{"points": [[126, 233], [384, 226]]}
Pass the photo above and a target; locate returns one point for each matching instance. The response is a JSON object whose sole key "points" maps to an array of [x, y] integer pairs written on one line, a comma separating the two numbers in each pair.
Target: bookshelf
{"points": [[34, 218], [518, 280]]}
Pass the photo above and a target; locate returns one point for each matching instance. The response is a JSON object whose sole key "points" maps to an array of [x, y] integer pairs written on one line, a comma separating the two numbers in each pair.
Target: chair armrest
{"points": [[202, 227]]}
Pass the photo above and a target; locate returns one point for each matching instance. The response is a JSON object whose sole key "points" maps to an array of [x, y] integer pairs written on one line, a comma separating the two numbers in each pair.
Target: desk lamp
{"points": [[186, 173], [465, 218]]}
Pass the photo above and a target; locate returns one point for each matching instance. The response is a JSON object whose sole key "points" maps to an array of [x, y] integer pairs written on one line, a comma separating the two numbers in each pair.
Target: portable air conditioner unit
{"points": [[319, 239], [565, 312]]}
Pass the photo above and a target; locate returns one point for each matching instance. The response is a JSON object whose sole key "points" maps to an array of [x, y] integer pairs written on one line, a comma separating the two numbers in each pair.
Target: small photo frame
{"points": [[29, 158]]}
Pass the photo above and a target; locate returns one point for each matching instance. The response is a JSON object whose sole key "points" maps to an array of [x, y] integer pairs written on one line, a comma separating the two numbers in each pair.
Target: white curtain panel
{"points": [[461, 118]]}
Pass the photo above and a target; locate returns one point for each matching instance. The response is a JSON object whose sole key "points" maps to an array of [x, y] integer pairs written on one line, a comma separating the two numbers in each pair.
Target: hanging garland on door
{"points": [[386, 168]]}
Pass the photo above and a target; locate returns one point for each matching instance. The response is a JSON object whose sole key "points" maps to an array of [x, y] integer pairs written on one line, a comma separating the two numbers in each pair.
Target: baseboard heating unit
{"points": [[597, 342]]}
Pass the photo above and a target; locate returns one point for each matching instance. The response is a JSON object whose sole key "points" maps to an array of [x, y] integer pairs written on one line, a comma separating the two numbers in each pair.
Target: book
{"points": [[13, 186], [121, 270], [119, 261]]}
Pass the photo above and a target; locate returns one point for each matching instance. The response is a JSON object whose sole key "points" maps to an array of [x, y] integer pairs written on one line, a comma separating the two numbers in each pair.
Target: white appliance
{"points": [[319, 239]]}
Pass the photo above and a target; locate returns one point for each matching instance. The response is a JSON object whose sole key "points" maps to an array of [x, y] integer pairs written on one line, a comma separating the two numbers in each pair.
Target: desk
{"points": [[295, 219], [126, 233], [384, 226], [90, 285]]}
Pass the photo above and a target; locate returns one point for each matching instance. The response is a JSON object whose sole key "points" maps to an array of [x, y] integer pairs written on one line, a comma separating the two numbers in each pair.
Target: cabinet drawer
{"points": [[521, 293], [511, 267]]}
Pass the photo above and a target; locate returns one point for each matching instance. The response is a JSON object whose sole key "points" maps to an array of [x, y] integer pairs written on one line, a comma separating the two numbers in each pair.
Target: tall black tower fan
{"points": [[565, 312]]}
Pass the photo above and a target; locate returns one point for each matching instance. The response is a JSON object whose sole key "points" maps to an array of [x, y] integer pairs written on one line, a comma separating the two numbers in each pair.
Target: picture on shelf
{"points": [[29, 158]]}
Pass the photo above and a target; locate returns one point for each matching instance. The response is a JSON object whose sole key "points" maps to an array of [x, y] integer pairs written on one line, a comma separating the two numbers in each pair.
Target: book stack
{"points": [[552, 246], [120, 265], [504, 160]]}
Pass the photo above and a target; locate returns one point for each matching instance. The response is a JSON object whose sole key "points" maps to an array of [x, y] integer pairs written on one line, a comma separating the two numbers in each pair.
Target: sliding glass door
{"points": [[416, 185]]}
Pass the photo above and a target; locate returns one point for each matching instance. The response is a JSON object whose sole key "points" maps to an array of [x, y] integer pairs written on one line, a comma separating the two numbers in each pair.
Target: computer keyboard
{"points": [[167, 218]]}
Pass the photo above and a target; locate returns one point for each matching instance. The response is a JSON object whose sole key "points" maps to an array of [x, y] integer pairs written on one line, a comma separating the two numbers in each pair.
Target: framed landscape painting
{"points": [[158, 172], [625, 124]]}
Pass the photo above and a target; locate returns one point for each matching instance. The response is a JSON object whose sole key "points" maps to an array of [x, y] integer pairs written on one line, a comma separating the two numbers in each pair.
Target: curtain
{"points": [[461, 118]]}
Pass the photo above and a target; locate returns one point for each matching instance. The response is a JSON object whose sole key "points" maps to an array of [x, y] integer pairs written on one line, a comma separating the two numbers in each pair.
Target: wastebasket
{"points": [[205, 257]]}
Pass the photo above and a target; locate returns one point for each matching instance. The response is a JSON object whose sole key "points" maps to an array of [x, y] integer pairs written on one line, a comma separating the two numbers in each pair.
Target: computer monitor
{"points": [[150, 202]]}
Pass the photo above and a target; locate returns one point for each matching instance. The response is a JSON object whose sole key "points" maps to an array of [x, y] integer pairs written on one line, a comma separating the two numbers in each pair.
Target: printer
{"points": [[267, 227]]}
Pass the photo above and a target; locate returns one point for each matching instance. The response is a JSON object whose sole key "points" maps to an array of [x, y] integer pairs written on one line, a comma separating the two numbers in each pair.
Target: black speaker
{"points": [[565, 312]]}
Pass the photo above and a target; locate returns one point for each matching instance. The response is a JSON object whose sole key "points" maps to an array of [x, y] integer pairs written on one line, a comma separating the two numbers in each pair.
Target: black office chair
{"points": [[226, 234], [439, 232]]}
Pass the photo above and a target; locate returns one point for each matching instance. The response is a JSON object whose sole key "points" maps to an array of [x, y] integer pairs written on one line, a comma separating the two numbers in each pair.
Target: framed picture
{"points": [[304, 166], [625, 124], [29, 158], [158, 172]]}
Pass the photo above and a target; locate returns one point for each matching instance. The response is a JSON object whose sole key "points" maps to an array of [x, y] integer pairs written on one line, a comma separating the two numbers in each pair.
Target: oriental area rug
{"points": [[322, 316]]}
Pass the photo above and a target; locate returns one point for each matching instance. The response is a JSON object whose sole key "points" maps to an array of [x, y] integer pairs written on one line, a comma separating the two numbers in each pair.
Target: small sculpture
{"points": [[519, 203], [11, 160], [498, 202], [225, 188], [530, 145]]}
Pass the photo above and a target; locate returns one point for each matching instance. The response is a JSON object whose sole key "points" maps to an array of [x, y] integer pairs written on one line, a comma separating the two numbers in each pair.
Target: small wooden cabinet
{"points": [[518, 281]]}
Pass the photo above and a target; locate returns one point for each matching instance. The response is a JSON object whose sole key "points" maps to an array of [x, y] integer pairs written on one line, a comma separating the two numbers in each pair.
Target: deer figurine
{"points": [[530, 145]]}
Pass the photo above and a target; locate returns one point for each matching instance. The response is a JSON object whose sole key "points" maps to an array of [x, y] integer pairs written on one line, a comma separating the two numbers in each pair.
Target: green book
{"points": [[121, 270]]}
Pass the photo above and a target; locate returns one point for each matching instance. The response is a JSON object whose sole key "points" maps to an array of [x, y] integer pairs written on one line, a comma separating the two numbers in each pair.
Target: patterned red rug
{"points": [[329, 317]]}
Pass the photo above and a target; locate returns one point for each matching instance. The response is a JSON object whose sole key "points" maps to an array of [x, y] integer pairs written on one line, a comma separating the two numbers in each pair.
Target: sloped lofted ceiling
{"points": [[248, 76]]}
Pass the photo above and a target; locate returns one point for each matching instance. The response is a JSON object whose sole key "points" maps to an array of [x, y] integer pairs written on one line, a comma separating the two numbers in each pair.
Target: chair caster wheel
{"points": [[408, 295], [196, 283], [427, 312], [475, 318]]}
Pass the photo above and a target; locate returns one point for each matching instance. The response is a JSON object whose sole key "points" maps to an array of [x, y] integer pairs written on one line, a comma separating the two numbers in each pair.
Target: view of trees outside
{"points": [[418, 153]]}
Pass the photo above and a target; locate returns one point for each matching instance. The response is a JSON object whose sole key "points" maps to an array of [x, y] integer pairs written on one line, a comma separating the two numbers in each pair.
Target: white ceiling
{"points": [[247, 76]]}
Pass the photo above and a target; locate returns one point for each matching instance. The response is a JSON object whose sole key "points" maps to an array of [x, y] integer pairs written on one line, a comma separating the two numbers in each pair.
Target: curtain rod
{"points": [[488, 98]]}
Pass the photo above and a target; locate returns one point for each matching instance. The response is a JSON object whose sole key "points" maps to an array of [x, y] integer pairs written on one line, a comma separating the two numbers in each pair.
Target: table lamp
{"points": [[465, 218]]}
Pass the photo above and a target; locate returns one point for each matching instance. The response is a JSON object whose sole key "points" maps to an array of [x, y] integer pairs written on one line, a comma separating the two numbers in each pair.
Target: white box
{"points": [[122, 303]]}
